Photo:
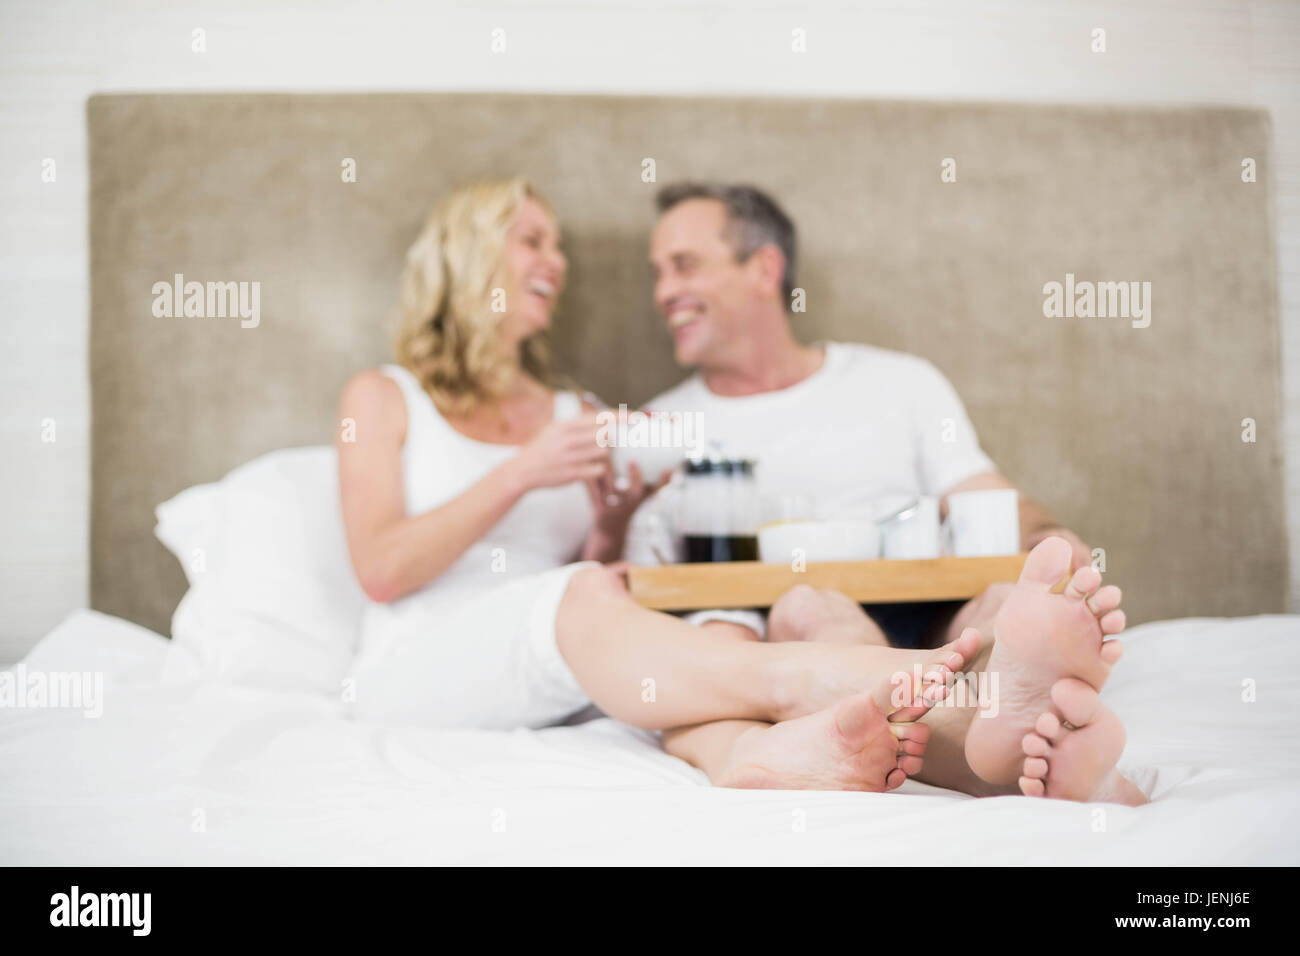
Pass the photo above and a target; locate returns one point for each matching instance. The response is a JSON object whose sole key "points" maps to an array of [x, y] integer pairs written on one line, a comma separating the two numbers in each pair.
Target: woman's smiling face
{"points": [[536, 270]]}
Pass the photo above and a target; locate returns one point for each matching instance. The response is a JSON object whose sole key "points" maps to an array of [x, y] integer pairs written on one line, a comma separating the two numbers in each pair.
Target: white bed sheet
{"points": [[181, 770]]}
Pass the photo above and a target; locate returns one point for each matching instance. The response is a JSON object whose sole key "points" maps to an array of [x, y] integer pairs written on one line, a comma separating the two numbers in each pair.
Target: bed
{"points": [[214, 747], [183, 769]]}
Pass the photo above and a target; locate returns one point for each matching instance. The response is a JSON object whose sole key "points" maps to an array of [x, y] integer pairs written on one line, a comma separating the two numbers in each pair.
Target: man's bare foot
{"points": [[805, 613], [1071, 753], [981, 611], [850, 745], [1041, 637]]}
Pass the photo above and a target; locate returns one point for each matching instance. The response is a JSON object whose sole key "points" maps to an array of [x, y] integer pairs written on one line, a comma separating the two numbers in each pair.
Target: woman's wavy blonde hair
{"points": [[447, 331]]}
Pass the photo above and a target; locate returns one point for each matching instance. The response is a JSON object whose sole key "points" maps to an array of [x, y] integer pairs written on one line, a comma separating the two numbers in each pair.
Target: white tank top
{"points": [[545, 529]]}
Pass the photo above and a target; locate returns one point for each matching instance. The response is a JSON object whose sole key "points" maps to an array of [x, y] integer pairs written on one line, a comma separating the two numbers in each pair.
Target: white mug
{"points": [[915, 534], [984, 523]]}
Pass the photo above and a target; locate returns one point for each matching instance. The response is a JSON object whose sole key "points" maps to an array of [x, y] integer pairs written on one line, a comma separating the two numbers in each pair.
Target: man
{"points": [[845, 424]]}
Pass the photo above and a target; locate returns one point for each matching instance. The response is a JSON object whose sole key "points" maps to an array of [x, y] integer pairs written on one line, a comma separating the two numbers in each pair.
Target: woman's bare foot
{"points": [[822, 674], [1075, 760], [1042, 637], [850, 745], [805, 613]]}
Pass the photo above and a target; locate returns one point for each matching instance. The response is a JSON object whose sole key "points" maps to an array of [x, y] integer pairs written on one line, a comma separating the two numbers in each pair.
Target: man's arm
{"points": [[1036, 523]]}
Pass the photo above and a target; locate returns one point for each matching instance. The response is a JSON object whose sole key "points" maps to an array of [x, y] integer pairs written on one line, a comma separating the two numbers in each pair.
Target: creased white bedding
{"points": [[185, 770]]}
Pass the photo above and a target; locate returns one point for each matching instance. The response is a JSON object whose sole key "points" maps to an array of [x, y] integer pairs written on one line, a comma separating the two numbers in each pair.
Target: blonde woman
{"points": [[474, 486], [475, 481]]}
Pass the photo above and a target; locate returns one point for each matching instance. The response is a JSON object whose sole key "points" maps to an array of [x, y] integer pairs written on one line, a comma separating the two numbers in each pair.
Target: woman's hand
{"points": [[561, 453], [613, 509]]}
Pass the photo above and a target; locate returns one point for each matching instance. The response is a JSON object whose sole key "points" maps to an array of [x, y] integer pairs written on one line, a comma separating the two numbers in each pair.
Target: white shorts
{"points": [[489, 660]]}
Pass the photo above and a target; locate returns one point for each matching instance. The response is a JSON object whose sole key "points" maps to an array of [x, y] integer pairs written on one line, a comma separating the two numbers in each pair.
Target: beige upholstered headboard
{"points": [[1133, 436]]}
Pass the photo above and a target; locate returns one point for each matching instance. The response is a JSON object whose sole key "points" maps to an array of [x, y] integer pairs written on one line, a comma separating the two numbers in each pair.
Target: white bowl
{"points": [[852, 539]]}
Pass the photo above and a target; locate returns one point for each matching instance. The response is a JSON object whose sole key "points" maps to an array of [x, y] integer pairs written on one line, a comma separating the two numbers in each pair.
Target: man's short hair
{"points": [[753, 220]]}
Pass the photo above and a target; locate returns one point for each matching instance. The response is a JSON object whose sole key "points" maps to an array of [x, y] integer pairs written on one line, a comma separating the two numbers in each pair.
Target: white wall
{"points": [[53, 54]]}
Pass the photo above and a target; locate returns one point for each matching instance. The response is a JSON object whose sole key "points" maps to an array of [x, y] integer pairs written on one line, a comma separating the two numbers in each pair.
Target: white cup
{"points": [[652, 462], [846, 539], [913, 535], [983, 523], [655, 441]]}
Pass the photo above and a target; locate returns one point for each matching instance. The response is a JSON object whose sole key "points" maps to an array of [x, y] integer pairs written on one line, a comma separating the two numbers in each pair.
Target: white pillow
{"points": [[273, 600]]}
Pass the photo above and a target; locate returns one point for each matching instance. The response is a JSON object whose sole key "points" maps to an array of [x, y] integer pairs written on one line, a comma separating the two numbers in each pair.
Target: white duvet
{"points": [[180, 770]]}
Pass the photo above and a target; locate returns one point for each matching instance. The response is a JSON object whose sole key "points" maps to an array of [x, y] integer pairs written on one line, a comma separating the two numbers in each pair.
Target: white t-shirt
{"points": [[870, 425]]}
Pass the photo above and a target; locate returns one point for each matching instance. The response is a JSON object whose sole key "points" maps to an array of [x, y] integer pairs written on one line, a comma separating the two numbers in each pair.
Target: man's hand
{"points": [[1081, 554]]}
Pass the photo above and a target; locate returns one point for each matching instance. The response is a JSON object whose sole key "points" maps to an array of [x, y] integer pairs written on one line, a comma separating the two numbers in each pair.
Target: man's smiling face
{"points": [[700, 288]]}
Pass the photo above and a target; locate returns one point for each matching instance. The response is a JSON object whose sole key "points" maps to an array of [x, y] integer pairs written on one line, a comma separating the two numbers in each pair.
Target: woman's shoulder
{"points": [[373, 386], [376, 396]]}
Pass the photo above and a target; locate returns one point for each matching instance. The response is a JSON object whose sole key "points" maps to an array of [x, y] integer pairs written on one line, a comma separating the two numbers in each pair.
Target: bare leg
{"points": [[708, 746], [655, 671], [806, 613], [849, 743]]}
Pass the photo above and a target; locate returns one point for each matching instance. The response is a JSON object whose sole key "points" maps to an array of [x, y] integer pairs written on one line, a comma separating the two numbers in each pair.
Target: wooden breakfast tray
{"points": [[684, 587]]}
